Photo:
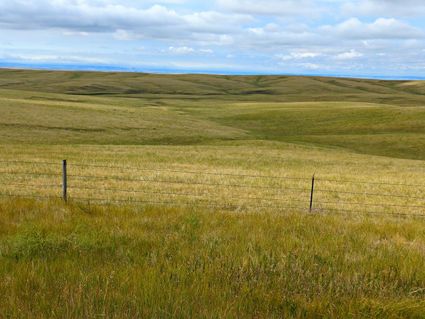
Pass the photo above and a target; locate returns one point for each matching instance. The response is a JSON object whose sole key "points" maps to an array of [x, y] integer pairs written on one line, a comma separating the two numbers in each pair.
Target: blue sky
{"points": [[330, 37]]}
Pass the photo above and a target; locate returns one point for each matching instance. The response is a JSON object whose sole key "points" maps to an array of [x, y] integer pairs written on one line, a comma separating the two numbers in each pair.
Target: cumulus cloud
{"points": [[271, 7], [128, 22], [275, 36], [181, 50], [184, 50], [391, 8], [298, 55], [206, 51], [82, 15], [46, 58], [311, 66], [381, 28], [293, 35], [348, 55]]}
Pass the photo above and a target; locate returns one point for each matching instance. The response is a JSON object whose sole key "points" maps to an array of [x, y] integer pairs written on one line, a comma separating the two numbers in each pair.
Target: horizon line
{"points": [[171, 71]]}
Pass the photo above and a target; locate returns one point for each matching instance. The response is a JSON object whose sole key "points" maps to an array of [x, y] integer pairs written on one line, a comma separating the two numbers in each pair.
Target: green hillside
{"points": [[365, 116], [270, 88]]}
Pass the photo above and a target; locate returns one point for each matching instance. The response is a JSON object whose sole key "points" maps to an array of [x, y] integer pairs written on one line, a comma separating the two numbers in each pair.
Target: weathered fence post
{"points": [[312, 193], [64, 182]]}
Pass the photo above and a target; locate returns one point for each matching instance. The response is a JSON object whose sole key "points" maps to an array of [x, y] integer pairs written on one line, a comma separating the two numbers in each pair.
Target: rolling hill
{"points": [[366, 116]]}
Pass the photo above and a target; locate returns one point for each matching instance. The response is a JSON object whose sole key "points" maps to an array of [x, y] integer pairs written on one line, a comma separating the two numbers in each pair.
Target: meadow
{"points": [[263, 256]]}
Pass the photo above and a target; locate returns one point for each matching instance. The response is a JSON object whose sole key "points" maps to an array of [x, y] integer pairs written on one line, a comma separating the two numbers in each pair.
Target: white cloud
{"points": [[311, 66], [271, 7], [379, 29], [82, 15], [206, 51], [297, 35], [348, 55], [214, 39], [389, 8], [124, 35], [184, 50], [55, 58], [73, 33], [298, 55], [125, 21], [181, 50], [274, 36]]}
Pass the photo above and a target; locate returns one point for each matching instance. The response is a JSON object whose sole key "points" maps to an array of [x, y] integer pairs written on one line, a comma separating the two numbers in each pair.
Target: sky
{"points": [[364, 38]]}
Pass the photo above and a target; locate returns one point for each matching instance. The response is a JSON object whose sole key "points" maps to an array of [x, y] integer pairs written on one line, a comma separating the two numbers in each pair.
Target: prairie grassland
{"points": [[221, 175], [371, 121], [78, 261], [192, 243]]}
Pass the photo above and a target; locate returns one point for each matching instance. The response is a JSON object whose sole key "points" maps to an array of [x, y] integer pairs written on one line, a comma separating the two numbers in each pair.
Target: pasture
{"points": [[181, 254]]}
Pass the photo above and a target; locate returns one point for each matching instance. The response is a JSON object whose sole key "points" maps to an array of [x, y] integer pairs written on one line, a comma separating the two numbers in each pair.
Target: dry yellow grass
{"points": [[222, 176]]}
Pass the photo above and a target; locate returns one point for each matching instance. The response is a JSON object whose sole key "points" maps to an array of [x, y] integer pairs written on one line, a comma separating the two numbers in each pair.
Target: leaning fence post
{"points": [[312, 193], [64, 182]]}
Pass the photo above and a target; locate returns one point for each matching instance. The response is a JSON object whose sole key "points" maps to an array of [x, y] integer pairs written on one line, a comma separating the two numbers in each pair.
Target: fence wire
{"points": [[119, 179], [176, 194], [286, 194]]}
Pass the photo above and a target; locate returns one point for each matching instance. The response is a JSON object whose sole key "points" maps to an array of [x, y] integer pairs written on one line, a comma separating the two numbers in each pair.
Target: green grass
{"points": [[85, 260], [270, 88], [387, 130], [366, 116], [76, 261]]}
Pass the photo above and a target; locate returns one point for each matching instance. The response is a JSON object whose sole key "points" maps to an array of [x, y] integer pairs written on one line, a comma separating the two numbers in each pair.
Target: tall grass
{"points": [[220, 175], [78, 261]]}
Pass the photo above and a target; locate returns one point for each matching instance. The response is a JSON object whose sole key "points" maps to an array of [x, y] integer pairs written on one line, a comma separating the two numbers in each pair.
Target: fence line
{"points": [[193, 172], [362, 204], [242, 186], [109, 201], [350, 211], [163, 170], [173, 194], [29, 196], [31, 185], [177, 204], [218, 174], [28, 173], [28, 162], [207, 199], [368, 183], [116, 178], [370, 194]]}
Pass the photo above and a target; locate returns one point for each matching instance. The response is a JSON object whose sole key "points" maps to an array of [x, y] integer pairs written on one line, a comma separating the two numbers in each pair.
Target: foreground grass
{"points": [[73, 261]]}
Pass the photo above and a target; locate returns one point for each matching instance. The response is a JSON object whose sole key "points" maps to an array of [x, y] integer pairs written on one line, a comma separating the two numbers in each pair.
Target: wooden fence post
{"points": [[312, 193], [64, 182]]}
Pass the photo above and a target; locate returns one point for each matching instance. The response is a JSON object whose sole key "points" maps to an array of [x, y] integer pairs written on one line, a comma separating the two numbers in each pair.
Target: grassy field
{"points": [[264, 255], [366, 116], [80, 262]]}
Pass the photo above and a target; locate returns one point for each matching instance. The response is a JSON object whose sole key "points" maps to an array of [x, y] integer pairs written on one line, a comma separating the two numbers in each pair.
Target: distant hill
{"points": [[267, 88], [365, 116]]}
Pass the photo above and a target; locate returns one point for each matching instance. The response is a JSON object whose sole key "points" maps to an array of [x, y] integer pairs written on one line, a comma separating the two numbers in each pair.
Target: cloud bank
{"points": [[274, 36]]}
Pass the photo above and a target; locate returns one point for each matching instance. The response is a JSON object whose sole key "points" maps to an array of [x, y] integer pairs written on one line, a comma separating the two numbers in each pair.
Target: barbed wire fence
{"points": [[124, 185]]}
